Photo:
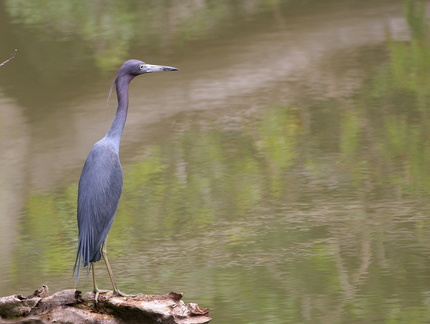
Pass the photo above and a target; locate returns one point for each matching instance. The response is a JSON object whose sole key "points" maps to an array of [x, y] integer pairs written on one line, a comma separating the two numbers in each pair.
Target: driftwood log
{"points": [[70, 306]]}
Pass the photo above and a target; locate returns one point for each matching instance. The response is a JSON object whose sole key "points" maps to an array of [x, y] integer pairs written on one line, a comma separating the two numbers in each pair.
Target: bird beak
{"points": [[158, 68]]}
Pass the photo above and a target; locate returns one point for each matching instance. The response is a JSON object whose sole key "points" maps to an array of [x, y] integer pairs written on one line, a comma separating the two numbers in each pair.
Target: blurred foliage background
{"points": [[315, 212]]}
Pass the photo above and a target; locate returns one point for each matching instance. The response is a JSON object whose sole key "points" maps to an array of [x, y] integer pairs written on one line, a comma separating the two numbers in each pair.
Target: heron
{"points": [[100, 184]]}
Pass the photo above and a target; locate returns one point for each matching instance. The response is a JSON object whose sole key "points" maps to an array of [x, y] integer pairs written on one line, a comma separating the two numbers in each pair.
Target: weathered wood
{"points": [[69, 306]]}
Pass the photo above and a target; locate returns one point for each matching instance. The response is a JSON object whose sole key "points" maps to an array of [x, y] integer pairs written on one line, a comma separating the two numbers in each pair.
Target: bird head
{"points": [[136, 67], [133, 68]]}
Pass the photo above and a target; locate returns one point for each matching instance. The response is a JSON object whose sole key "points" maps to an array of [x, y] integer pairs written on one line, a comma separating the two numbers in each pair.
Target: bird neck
{"points": [[118, 123]]}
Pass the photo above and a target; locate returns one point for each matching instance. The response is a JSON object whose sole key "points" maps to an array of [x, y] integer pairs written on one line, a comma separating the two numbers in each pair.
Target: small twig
{"points": [[10, 58]]}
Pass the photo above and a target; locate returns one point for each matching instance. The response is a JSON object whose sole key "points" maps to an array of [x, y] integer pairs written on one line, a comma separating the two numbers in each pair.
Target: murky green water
{"points": [[282, 176]]}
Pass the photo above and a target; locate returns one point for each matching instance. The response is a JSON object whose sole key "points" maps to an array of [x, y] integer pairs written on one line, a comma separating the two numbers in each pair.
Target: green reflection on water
{"points": [[112, 28], [275, 217]]}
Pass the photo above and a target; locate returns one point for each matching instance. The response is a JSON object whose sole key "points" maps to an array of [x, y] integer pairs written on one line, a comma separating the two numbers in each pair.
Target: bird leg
{"points": [[116, 291], [96, 290]]}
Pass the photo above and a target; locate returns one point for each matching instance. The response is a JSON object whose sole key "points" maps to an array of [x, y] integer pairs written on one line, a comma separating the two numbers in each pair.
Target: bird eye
{"points": [[141, 66]]}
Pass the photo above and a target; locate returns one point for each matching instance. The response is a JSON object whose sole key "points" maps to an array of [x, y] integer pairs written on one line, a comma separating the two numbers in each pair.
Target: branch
{"points": [[10, 58]]}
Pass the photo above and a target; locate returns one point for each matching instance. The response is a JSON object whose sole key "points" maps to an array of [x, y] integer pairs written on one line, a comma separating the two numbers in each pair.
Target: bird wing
{"points": [[100, 188]]}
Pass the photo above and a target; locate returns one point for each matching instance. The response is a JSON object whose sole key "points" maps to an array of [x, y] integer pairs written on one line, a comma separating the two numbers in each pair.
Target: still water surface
{"points": [[282, 176]]}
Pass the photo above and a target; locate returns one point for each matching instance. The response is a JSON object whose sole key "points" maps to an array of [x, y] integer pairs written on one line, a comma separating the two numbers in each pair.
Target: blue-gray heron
{"points": [[100, 185]]}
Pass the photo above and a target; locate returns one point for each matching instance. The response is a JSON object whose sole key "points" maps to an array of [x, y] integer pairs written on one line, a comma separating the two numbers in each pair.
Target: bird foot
{"points": [[115, 293], [121, 294], [96, 294]]}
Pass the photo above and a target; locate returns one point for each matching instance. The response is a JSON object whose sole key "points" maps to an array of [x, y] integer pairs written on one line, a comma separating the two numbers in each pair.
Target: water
{"points": [[280, 177]]}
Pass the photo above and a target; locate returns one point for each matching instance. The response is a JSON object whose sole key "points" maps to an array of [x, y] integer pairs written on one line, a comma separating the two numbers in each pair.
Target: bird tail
{"points": [[79, 262]]}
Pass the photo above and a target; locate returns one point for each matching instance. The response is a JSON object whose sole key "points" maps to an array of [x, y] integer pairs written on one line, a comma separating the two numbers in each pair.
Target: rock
{"points": [[69, 306]]}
